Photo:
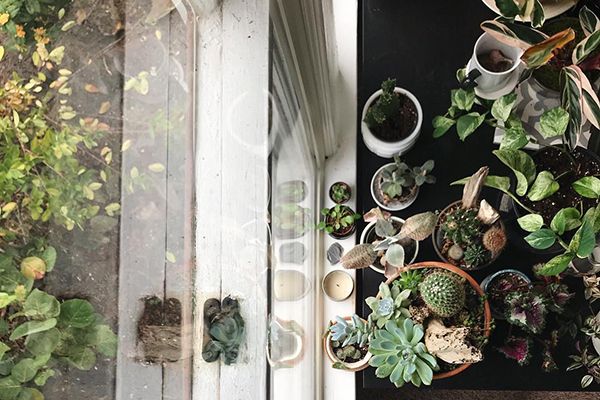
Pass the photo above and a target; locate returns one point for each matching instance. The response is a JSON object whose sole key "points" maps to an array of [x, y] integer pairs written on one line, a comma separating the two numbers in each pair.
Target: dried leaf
{"points": [[90, 88], [104, 107]]}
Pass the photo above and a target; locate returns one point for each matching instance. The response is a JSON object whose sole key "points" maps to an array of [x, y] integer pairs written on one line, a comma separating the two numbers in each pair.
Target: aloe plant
{"points": [[399, 353]]}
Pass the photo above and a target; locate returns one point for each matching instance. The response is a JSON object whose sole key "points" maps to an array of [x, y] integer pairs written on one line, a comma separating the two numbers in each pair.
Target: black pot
{"points": [[346, 232], [348, 189]]}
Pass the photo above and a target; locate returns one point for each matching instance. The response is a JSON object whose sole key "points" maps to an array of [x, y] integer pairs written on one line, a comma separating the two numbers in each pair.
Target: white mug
{"points": [[490, 81]]}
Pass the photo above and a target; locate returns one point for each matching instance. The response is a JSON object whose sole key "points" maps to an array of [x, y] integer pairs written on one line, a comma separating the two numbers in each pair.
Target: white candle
{"points": [[338, 285]]}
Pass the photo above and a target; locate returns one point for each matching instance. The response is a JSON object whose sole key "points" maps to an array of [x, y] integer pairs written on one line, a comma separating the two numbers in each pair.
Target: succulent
{"points": [[527, 310], [475, 255], [419, 226], [494, 239], [462, 226], [340, 192], [399, 353], [391, 306], [409, 280], [337, 218], [350, 333], [400, 175], [456, 252], [443, 292], [348, 352], [361, 256], [386, 107]]}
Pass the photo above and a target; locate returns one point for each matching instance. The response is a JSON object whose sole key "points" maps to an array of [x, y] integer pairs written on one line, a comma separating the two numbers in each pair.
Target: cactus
{"points": [[443, 293], [462, 226], [361, 256], [475, 255], [494, 239]]}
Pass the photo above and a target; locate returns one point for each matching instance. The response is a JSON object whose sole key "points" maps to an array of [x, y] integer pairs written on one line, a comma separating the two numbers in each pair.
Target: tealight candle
{"points": [[338, 285]]}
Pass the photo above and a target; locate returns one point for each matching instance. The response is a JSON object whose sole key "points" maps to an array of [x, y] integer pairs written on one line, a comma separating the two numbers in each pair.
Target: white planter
{"points": [[351, 367], [394, 206], [363, 240], [389, 149]]}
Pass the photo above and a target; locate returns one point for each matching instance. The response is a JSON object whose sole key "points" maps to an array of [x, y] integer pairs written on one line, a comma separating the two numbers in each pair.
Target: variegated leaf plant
{"points": [[531, 10]]}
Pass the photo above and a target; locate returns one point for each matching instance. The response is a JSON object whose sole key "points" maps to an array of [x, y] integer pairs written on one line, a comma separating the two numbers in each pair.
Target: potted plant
{"points": [[390, 253], [382, 225], [534, 312], [391, 120], [339, 221], [395, 186], [434, 312], [469, 233], [347, 343], [497, 285], [340, 192]]}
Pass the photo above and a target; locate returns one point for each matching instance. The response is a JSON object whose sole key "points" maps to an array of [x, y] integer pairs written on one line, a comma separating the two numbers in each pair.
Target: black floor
{"points": [[422, 44]]}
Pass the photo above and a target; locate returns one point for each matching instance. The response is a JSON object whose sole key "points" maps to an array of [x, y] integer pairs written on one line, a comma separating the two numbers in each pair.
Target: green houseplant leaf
{"points": [[588, 20], [565, 220], [531, 222], [522, 166], [543, 187], [468, 123], [588, 186], [556, 265], [554, 122], [541, 239], [502, 107], [583, 242], [441, 125]]}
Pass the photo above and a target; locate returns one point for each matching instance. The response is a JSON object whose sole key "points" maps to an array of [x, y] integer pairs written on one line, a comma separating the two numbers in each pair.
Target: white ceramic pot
{"points": [[490, 81], [394, 206], [363, 240], [351, 367], [390, 149]]}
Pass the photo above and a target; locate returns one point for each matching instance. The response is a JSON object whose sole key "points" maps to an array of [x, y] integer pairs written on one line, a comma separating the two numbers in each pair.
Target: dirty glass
{"points": [[96, 183]]}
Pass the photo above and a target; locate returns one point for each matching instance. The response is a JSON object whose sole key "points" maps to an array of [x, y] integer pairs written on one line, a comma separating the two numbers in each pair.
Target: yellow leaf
{"points": [[134, 173], [16, 118], [156, 167], [158, 34], [91, 88], [67, 26], [171, 257], [1, 52], [126, 145], [104, 107]]}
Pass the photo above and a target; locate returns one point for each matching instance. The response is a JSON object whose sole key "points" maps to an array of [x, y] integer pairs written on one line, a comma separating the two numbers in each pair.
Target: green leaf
{"points": [[441, 125], [502, 107], [49, 257], [76, 313], [28, 393], [30, 327], [543, 187], [395, 255], [554, 122], [82, 358], [3, 349], [565, 220], [104, 340], [588, 20], [9, 388], [508, 8], [463, 99], [531, 222], [25, 370], [501, 183], [42, 377], [467, 124], [541, 239], [588, 186], [584, 241], [41, 305], [43, 342], [557, 265], [586, 47], [522, 166], [514, 138]]}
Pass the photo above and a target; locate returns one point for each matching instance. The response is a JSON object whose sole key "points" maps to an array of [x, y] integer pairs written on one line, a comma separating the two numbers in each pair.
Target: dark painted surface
{"points": [[422, 44]]}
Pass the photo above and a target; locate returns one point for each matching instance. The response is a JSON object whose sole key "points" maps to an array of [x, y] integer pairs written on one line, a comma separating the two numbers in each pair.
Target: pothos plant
{"points": [[38, 332], [525, 9], [578, 98]]}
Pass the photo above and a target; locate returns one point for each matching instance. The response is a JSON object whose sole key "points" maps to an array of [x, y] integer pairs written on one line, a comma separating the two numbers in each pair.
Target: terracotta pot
{"points": [[351, 367], [486, 306]]}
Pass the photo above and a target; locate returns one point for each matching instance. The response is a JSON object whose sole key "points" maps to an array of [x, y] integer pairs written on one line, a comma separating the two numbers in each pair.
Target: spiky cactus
{"points": [[494, 239], [475, 255], [462, 226], [443, 293]]}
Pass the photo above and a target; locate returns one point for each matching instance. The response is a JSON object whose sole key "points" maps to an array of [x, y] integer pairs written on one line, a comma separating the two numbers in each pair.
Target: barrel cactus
{"points": [[443, 293]]}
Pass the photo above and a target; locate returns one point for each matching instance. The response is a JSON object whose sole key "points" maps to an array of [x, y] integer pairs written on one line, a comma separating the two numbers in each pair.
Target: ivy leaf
{"points": [[543, 187], [502, 107], [463, 99], [541, 239], [531, 222], [565, 220], [441, 125], [30, 327], [514, 138], [467, 124], [584, 241], [588, 186], [557, 265], [522, 166], [554, 122], [76, 313]]}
